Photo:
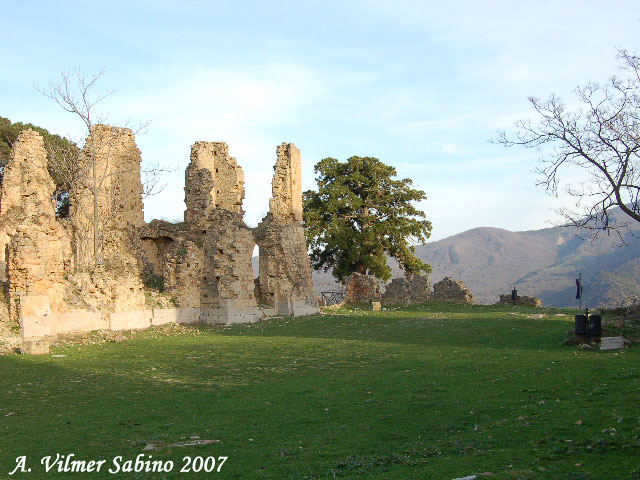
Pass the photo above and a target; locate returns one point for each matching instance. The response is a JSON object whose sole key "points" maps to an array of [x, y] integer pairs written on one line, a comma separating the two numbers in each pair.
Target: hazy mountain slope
{"points": [[544, 263]]}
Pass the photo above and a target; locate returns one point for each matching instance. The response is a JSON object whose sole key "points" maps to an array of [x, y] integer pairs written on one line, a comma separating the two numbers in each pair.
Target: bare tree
{"points": [[602, 138], [79, 169]]}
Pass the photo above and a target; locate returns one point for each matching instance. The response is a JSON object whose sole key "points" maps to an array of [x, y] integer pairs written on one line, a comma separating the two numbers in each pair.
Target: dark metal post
{"points": [[514, 295], [579, 292]]}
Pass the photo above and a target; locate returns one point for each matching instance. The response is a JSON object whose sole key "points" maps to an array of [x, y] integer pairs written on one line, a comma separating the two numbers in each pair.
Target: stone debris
{"points": [[521, 300], [86, 272], [450, 290], [404, 291]]}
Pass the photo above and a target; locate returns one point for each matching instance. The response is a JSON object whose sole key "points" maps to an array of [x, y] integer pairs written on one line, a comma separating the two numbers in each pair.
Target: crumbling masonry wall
{"points": [[110, 181], [286, 187], [228, 288], [172, 256], [521, 300], [213, 180], [285, 281], [35, 246], [71, 280]]}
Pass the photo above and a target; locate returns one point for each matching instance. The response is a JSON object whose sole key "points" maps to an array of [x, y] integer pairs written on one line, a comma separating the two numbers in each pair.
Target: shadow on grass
{"points": [[391, 395]]}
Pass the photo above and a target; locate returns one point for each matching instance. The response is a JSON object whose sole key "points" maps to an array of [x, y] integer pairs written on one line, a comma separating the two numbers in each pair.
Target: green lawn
{"points": [[436, 392]]}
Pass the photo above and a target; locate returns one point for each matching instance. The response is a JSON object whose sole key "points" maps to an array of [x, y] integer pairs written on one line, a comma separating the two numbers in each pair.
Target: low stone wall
{"points": [[520, 300], [362, 288], [39, 327]]}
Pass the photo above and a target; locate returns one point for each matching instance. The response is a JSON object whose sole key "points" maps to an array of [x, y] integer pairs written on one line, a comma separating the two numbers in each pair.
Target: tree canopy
{"points": [[359, 215], [600, 138]]}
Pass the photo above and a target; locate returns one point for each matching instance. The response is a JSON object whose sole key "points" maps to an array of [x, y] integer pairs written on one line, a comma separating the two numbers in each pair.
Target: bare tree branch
{"points": [[601, 138]]}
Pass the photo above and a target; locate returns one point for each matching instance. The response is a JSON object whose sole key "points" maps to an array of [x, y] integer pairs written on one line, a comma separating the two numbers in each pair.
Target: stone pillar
{"points": [[285, 281], [110, 177], [34, 244], [286, 202], [27, 188]]}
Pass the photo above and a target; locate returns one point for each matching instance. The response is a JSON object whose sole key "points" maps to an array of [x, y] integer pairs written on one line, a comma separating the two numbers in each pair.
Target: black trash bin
{"points": [[581, 324], [595, 325]]}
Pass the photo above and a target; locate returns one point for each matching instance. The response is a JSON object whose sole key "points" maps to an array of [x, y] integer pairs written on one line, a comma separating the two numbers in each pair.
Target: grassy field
{"points": [[435, 392]]}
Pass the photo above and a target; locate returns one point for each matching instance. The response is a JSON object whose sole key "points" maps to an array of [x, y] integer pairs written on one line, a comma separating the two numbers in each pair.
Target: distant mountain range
{"points": [[543, 263]]}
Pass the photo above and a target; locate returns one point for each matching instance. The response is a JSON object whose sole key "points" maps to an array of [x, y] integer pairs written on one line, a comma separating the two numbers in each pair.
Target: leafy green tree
{"points": [[359, 215]]}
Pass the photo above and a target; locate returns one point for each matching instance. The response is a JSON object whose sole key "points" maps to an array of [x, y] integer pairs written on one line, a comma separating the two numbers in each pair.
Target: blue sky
{"points": [[419, 84]]}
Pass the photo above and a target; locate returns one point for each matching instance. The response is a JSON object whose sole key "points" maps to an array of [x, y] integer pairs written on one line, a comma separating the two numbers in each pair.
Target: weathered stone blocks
{"points": [[85, 273]]}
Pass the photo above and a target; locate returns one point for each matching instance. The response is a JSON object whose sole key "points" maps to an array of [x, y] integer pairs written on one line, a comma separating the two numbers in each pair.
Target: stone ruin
{"points": [[362, 289], [520, 301], [87, 272], [450, 290], [405, 291]]}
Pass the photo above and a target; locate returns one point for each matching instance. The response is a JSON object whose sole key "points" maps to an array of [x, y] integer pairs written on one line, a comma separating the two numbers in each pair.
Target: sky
{"points": [[421, 85]]}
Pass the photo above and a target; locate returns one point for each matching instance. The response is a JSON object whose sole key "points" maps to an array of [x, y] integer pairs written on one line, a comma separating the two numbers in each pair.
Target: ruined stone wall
{"points": [[284, 268], [450, 290], [39, 256], [118, 194], [227, 270], [105, 290], [173, 255], [286, 202], [27, 187], [213, 180], [404, 291], [183, 274], [362, 289], [35, 246]]}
